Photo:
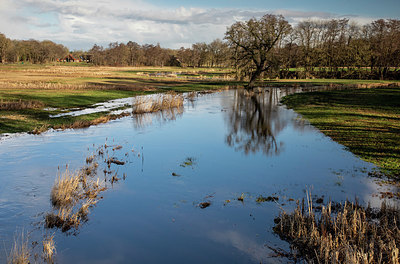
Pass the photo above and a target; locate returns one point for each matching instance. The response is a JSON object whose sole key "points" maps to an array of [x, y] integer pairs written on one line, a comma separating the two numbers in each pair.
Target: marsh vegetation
{"points": [[344, 233]]}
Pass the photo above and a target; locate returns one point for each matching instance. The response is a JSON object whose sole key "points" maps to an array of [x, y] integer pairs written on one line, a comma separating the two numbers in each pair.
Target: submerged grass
{"points": [[348, 234], [20, 251], [49, 249], [72, 195], [366, 121]]}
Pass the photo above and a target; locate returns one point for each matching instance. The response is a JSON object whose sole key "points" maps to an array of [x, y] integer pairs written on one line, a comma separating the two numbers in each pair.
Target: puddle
{"points": [[203, 184]]}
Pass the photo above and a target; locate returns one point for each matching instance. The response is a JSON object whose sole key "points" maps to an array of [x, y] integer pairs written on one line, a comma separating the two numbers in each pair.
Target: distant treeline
{"points": [[333, 48], [32, 51], [215, 54]]}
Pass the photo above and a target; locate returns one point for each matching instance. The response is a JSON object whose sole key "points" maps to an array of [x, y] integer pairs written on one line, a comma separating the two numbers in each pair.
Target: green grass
{"points": [[81, 87], [366, 121]]}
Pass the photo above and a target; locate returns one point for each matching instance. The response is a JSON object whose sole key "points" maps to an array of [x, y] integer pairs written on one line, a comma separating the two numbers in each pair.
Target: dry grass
{"points": [[67, 190], [49, 249], [20, 252], [20, 104], [157, 103], [87, 123], [192, 96], [348, 233], [39, 130], [72, 195]]}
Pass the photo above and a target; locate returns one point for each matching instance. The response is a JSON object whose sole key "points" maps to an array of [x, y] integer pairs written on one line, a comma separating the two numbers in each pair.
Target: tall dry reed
{"points": [[345, 233], [157, 103], [72, 195], [20, 252]]}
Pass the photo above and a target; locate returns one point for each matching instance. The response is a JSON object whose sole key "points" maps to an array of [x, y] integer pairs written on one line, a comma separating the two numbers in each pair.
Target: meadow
{"points": [[30, 94]]}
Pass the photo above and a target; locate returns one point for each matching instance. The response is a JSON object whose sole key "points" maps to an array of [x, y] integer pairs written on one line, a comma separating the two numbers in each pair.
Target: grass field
{"points": [[28, 91], [66, 86], [366, 121]]}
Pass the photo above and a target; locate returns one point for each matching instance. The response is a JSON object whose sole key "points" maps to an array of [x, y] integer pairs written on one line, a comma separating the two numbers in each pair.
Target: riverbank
{"points": [[366, 121]]}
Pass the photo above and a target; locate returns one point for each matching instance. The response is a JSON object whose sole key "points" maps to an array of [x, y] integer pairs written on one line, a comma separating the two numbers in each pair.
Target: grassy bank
{"points": [[28, 91], [366, 121]]}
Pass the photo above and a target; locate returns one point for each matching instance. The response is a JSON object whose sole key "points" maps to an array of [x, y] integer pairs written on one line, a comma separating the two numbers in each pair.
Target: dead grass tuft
{"points": [[72, 195], [49, 249], [20, 104], [157, 103], [352, 234], [40, 130], [20, 252]]}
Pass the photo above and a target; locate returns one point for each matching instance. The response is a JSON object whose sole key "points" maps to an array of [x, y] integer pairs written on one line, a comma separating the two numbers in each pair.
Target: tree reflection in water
{"points": [[255, 119]]}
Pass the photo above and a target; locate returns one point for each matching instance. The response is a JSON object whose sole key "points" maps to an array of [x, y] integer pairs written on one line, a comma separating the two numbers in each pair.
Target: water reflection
{"points": [[255, 119], [141, 121]]}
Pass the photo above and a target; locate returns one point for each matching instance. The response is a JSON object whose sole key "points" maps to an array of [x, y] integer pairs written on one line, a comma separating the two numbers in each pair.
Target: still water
{"points": [[240, 144]]}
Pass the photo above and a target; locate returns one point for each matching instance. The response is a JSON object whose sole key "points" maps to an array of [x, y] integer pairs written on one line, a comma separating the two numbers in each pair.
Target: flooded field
{"points": [[200, 183]]}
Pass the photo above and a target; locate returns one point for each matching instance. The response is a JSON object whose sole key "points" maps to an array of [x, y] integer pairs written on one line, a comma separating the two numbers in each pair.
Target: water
{"points": [[99, 107], [240, 144]]}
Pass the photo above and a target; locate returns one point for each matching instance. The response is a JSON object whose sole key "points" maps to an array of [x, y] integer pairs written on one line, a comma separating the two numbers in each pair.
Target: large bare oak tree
{"points": [[253, 42]]}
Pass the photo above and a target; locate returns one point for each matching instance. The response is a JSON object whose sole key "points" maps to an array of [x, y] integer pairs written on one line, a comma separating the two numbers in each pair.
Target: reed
{"points": [[157, 103], [72, 195], [346, 233], [20, 252], [49, 249]]}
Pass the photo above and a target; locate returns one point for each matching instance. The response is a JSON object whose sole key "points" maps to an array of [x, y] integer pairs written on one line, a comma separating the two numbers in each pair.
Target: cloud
{"points": [[80, 24], [258, 252]]}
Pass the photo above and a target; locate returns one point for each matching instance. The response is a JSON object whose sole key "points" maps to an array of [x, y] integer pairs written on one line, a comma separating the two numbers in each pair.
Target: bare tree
{"points": [[253, 42]]}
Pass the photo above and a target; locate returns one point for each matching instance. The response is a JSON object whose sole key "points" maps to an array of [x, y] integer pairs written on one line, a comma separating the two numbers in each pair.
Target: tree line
{"points": [[32, 51], [214, 54], [334, 48], [257, 48]]}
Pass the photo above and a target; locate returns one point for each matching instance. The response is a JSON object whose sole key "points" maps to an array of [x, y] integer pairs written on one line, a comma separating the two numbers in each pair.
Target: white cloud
{"points": [[80, 24]]}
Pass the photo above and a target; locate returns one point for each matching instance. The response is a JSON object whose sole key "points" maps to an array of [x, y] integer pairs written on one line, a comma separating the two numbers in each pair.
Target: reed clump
{"points": [[71, 196], [157, 103], [20, 252], [49, 249], [345, 233]]}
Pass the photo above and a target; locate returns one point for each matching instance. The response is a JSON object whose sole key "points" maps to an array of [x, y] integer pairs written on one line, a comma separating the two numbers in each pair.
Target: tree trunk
{"points": [[254, 77]]}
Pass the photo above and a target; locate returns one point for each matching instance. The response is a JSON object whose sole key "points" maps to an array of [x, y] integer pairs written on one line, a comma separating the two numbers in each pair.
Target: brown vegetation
{"points": [[72, 195], [20, 104], [20, 252], [88, 123], [157, 103], [49, 249], [345, 233]]}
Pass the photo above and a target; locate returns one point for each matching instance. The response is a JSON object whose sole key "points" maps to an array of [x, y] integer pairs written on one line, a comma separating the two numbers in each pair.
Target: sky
{"points": [[172, 23]]}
